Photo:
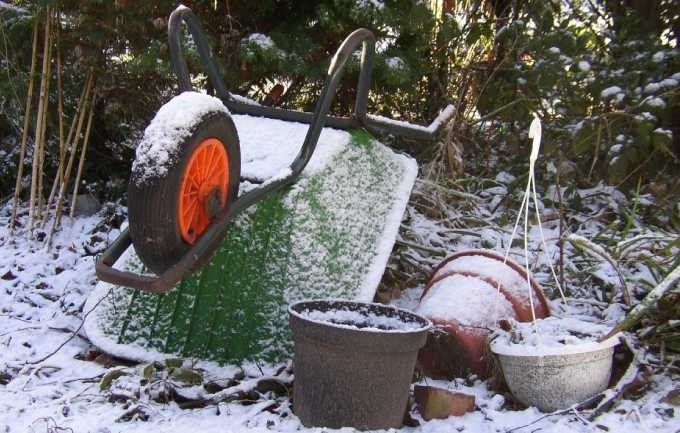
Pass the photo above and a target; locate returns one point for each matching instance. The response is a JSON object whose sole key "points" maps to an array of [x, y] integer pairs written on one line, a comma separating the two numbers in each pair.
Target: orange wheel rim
{"points": [[204, 187]]}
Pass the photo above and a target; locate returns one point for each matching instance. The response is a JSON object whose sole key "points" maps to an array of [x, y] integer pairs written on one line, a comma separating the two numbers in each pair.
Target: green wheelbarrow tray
{"points": [[301, 233], [330, 235]]}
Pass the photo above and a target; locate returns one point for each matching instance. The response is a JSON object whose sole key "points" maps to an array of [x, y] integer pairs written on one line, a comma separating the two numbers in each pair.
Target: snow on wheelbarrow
{"points": [[237, 210], [468, 294]]}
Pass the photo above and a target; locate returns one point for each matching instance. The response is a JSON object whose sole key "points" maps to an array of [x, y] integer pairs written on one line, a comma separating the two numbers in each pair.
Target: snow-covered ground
{"points": [[50, 376]]}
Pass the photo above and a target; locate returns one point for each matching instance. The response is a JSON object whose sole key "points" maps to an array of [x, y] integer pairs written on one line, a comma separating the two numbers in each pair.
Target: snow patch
{"points": [[610, 91], [508, 278], [174, 123], [465, 300], [363, 319], [584, 66], [551, 336], [376, 4], [655, 102], [269, 146], [446, 113], [395, 63], [659, 56], [261, 40]]}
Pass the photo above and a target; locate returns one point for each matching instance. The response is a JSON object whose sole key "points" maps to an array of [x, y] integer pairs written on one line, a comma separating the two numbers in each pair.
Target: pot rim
{"points": [[522, 351], [427, 324]]}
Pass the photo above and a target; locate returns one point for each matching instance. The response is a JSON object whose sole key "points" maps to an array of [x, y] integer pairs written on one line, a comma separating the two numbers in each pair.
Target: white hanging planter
{"points": [[551, 363], [549, 367]]}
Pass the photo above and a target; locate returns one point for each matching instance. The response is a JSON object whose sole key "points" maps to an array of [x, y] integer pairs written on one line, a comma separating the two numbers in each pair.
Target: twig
{"points": [[421, 247], [24, 134], [559, 412], [75, 333], [615, 393], [560, 199], [598, 251]]}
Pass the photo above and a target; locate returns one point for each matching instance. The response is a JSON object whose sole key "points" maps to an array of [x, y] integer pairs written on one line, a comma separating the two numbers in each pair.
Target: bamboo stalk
{"points": [[71, 159], [81, 163], [60, 113], [41, 154], [24, 134], [38, 128], [81, 101]]}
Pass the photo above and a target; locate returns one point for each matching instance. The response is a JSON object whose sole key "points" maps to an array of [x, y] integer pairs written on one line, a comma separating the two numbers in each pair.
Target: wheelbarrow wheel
{"points": [[167, 214]]}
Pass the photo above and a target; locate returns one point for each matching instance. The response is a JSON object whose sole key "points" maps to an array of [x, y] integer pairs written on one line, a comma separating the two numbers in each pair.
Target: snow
{"points": [[269, 146], [551, 336], [392, 224], [465, 300], [243, 99], [443, 115], [659, 56], [43, 305], [262, 41], [395, 63], [363, 319], [655, 102], [173, 123], [495, 270], [5, 5], [616, 149], [652, 88], [610, 91], [376, 4], [505, 177], [667, 132], [584, 66], [668, 83], [60, 391]]}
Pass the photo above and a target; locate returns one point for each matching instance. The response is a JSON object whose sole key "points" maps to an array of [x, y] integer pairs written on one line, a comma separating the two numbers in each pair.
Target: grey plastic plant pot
{"points": [[348, 372], [554, 381]]}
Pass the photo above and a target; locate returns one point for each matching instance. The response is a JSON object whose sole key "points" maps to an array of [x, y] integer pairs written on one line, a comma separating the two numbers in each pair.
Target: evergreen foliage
{"points": [[601, 73]]}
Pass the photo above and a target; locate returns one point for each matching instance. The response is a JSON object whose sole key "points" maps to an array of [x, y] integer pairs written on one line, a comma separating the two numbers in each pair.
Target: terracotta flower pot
{"points": [[471, 290]]}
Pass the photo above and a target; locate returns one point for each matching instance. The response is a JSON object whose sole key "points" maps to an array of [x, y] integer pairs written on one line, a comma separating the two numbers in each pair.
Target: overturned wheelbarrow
{"points": [[469, 293], [237, 209]]}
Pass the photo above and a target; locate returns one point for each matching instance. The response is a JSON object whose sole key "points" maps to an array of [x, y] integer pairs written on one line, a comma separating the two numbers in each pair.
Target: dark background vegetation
{"points": [[497, 61]]}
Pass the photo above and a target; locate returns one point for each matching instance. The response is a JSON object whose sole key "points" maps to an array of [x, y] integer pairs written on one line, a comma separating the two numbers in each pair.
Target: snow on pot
{"points": [[353, 362], [468, 293], [555, 363]]}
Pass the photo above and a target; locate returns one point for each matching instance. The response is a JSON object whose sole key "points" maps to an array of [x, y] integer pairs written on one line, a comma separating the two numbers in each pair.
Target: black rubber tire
{"points": [[153, 205]]}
